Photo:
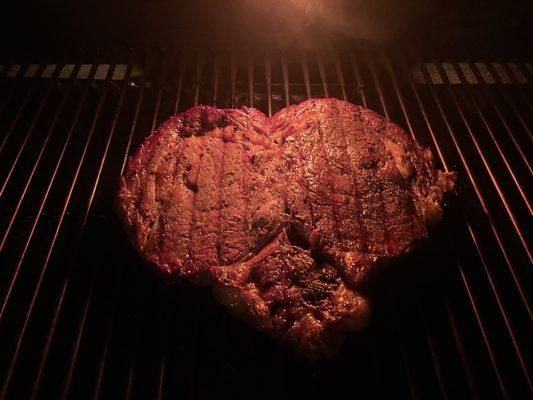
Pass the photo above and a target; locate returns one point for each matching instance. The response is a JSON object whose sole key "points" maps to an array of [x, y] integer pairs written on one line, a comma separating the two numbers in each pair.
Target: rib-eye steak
{"points": [[285, 217]]}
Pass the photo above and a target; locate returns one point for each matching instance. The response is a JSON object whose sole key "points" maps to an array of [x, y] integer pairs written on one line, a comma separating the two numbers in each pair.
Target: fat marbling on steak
{"points": [[285, 217]]}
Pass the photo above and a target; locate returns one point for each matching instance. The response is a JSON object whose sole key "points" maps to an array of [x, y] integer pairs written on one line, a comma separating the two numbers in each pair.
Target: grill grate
{"points": [[81, 317]]}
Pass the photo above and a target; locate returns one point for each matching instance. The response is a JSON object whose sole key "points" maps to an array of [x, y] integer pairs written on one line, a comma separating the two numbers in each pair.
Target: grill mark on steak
{"points": [[330, 183], [246, 218], [304, 166], [234, 244], [219, 185], [181, 200], [384, 216], [367, 161], [204, 234], [344, 187], [188, 255], [379, 186], [355, 191], [167, 205]]}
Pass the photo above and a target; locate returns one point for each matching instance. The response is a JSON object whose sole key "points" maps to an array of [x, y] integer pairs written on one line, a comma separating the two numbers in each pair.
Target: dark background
{"points": [[501, 26]]}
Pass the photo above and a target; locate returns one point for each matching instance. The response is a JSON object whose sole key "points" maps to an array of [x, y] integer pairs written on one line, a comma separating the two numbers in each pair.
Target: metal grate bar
{"points": [[384, 108], [35, 166], [511, 104], [68, 380], [251, 79], [200, 61], [468, 74], [12, 90], [518, 73], [43, 201], [60, 301], [467, 286], [160, 387], [496, 295], [436, 364], [63, 212], [472, 301], [29, 132], [500, 80], [134, 122], [103, 357], [412, 389], [527, 69], [181, 74], [396, 88], [133, 361], [488, 168], [109, 333], [305, 70], [15, 70], [285, 73], [216, 73], [498, 146], [108, 143], [407, 368], [163, 362], [359, 81], [323, 76], [340, 75], [477, 190], [493, 287], [21, 149], [340, 78], [508, 130], [118, 290], [233, 77], [268, 79], [133, 365], [501, 309], [504, 315], [516, 76], [459, 343], [407, 119], [486, 212], [450, 73], [25, 249], [19, 112], [400, 98], [501, 385], [84, 221], [379, 88], [474, 237]]}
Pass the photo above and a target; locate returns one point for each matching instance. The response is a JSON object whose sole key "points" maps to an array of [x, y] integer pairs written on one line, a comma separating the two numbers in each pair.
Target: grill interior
{"points": [[82, 317]]}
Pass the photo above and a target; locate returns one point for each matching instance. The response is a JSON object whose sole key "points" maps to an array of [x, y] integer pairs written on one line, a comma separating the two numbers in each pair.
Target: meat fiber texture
{"points": [[285, 217]]}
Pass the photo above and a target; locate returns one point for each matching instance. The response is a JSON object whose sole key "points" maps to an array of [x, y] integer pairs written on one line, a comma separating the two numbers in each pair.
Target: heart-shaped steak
{"points": [[285, 216]]}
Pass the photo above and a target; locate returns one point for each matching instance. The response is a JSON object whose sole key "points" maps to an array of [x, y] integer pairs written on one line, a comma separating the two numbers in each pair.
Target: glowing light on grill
{"points": [[313, 23]]}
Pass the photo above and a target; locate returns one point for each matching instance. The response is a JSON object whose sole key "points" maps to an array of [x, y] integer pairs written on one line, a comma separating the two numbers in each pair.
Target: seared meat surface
{"points": [[286, 217]]}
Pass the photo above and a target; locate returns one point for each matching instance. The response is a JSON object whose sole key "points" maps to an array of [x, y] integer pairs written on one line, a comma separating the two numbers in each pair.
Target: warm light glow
{"points": [[312, 22]]}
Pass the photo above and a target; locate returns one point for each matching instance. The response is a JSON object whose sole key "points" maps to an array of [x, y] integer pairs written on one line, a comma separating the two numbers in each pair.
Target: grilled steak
{"points": [[286, 217]]}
